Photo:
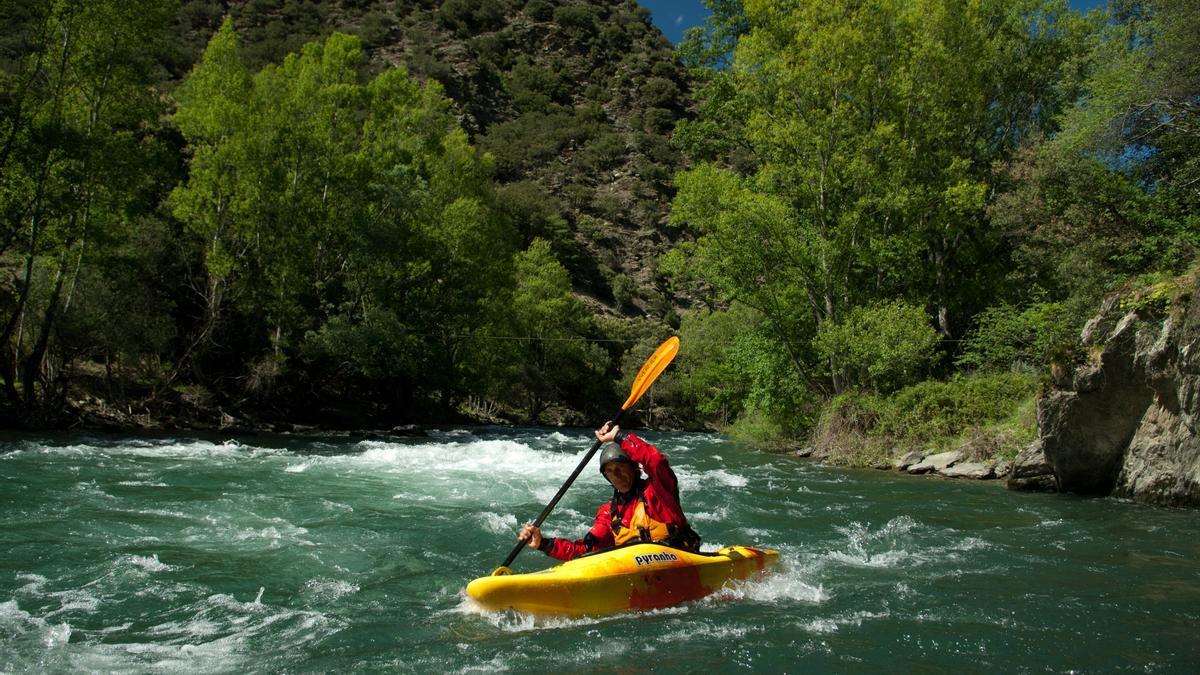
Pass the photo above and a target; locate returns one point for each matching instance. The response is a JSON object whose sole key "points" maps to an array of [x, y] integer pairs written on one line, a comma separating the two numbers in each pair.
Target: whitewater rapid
{"points": [[296, 553]]}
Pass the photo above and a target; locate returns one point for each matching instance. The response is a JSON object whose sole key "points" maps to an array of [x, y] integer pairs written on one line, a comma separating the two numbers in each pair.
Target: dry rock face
{"points": [[1125, 423]]}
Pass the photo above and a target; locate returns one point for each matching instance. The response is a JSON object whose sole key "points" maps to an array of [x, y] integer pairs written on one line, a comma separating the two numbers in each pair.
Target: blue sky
{"points": [[675, 16]]}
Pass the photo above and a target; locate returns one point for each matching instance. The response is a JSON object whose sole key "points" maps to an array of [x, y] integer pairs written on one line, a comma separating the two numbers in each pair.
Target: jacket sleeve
{"points": [[652, 461], [600, 536]]}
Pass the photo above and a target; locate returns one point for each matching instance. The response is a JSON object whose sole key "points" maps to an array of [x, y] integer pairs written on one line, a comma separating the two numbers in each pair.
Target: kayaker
{"points": [[641, 509]]}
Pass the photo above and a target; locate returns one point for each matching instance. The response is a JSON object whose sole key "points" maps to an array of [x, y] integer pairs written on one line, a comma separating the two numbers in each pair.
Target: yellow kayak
{"points": [[638, 576]]}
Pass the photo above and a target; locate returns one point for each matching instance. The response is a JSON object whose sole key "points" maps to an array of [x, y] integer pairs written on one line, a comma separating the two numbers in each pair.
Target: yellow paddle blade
{"points": [[501, 571], [653, 367]]}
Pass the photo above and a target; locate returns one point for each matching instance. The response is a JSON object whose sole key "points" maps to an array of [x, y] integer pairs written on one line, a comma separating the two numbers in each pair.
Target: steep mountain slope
{"points": [[575, 99]]}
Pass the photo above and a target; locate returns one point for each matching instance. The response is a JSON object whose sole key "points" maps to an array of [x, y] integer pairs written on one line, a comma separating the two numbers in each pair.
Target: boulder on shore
{"points": [[909, 459], [1125, 422], [976, 470], [936, 463], [1031, 472]]}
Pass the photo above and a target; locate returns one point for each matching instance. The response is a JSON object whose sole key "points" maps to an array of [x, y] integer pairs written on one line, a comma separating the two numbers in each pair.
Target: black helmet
{"points": [[613, 453]]}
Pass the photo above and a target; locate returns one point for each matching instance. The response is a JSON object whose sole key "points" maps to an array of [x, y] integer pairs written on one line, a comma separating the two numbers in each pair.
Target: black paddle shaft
{"points": [[561, 491]]}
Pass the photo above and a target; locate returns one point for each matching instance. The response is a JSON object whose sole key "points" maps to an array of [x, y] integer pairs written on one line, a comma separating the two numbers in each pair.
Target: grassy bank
{"points": [[990, 417]]}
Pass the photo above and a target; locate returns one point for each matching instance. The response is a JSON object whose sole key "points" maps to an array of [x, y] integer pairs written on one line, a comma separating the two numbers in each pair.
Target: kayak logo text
{"points": [[651, 558]]}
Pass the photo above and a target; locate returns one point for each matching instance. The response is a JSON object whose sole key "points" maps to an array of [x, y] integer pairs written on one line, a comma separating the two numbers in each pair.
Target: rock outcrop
{"points": [[1124, 423]]}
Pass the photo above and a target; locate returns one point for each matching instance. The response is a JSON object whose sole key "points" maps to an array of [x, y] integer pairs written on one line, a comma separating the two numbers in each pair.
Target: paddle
{"points": [[650, 371]]}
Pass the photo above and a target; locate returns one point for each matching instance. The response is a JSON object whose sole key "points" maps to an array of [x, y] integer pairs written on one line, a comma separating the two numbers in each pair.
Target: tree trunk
{"points": [[33, 363]]}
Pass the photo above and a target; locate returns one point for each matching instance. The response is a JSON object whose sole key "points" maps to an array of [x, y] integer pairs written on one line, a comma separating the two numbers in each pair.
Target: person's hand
{"points": [[608, 432], [531, 535]]}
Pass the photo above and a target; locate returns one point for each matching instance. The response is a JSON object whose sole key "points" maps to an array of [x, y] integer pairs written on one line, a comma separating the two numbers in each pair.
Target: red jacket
{"points": [[659, 491]]}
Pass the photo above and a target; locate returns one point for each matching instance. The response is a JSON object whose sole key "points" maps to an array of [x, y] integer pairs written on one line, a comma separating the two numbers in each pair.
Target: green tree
{"points": [[555, 356], [1114, 193], [334, 207], [880, 347], [873, 129], [213, 113], [76, 156]]}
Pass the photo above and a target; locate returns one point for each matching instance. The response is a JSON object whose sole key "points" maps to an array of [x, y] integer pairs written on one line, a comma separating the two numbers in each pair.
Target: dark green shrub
{"points": [[539, 10], [579, 196], [929, 410], [377, 29], [578, 19], [533, 137], [622, 290], [657, 149], [467, 17], [989, 416], [1006, 337], [659, 92], [534, 87], [601, 153], [658, 120], [882, 347], [535, 213]]}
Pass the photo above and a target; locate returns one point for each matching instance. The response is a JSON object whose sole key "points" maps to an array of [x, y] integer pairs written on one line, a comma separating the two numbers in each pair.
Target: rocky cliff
{"points": [[1123, 421]]}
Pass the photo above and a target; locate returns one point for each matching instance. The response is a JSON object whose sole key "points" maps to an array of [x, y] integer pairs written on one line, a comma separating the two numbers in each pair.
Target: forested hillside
{"points": [[873, 224], [910, 208], [229, 253]]}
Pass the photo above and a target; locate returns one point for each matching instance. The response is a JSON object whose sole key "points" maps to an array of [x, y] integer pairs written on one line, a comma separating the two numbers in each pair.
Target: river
{"points": [[278, 553]]}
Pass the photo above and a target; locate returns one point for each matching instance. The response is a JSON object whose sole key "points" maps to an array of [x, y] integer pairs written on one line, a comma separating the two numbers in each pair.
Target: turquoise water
{"points": [[286, 554]]}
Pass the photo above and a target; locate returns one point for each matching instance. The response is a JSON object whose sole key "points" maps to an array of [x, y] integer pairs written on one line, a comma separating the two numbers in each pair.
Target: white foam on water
{"points": [[220, 634], [31, 643], [718, 515], [972, 544], [149, 563], [707, 479], [165, 513], [557, 440], [336, 506], [545, 493], [510, 621], [886, 559], [275, 536], [226, 528], [414, 497], [888, 546], [142, 483], [704, 631], [784, 583], [497, 523], [325, 589], [828, 625], [166, 449], [221, 655], [902, 542], [820, 626], [493, 460], [17, 621], [92, 488], [33, 585], [74, 601]]}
